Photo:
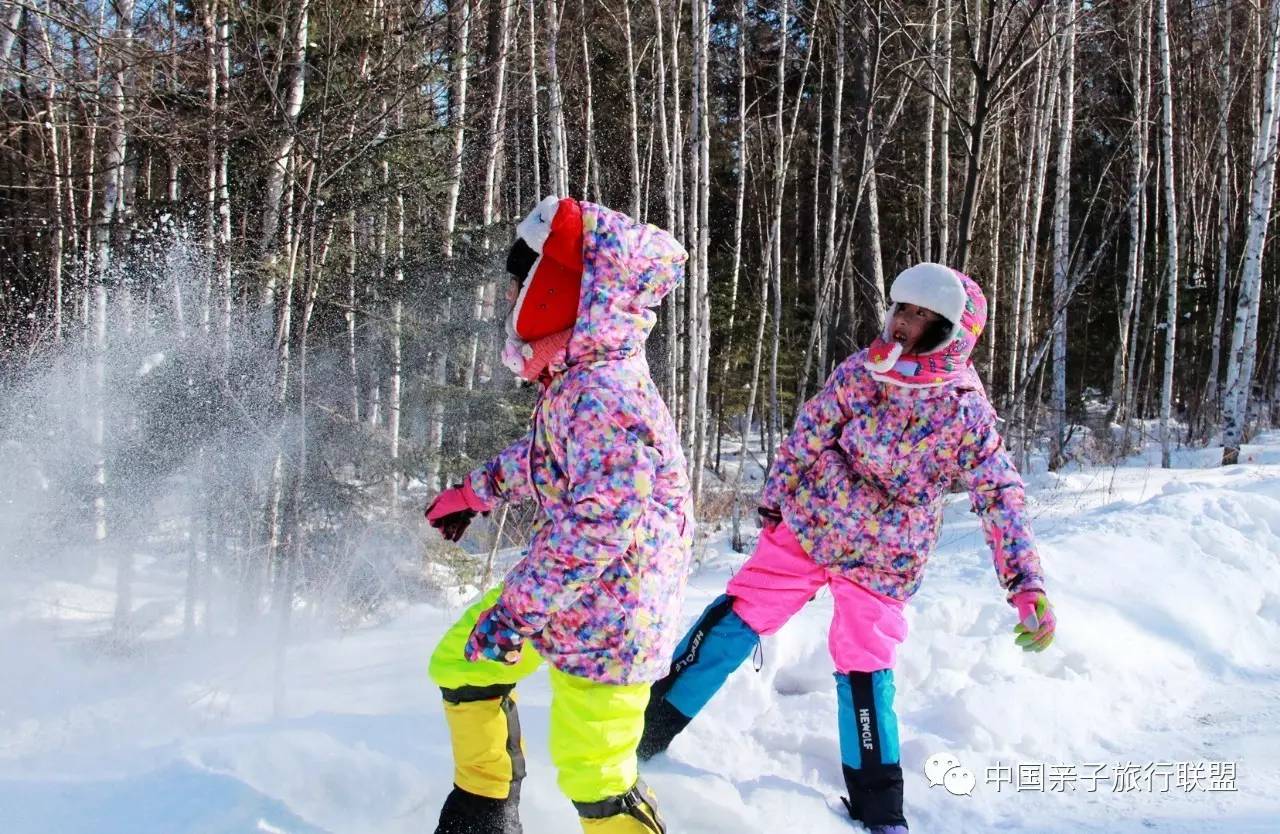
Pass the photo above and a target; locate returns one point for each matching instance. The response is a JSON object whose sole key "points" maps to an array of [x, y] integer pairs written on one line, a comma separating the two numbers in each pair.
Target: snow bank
{"points": [[1167, 587]]}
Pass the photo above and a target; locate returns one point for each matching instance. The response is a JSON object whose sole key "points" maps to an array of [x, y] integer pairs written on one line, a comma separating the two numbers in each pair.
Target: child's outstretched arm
{"points": [[999, 498], [506, 476], [611, 479], [817, 427]]}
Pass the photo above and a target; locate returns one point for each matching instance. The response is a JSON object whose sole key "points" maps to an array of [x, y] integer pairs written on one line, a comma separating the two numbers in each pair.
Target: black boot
{"points": [[662, 723], [716, 645], [467, 813], [875, 795], [869, 747]]}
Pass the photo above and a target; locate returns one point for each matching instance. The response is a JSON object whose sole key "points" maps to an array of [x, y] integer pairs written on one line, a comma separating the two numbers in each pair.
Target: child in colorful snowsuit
{"points": [[854, 502], [598, 594]]}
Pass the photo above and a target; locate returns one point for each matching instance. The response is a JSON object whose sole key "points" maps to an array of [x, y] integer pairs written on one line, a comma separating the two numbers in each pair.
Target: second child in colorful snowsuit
{"points": [[598, 594], [854, 502]]}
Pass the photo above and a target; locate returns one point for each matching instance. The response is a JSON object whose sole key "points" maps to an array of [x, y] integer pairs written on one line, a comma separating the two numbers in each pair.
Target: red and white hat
{"points": [[547, 258]]}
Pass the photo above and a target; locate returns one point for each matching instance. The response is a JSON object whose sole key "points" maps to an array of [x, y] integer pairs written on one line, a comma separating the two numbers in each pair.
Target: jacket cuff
{"points": [[1023, 584], [473, 499], [478, 486], [510, 619]]}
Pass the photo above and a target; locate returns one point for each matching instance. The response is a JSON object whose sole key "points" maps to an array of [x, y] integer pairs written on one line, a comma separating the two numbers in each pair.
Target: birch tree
{"points": [[1138, 63], [290, 107], [1170, 325], [1062, 238], [1213, 391], [559, 163], [1244, 330]]}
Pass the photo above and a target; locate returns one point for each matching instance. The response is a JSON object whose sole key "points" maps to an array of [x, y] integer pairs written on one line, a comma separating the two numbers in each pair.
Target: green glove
{"points": [[1034, 632]]}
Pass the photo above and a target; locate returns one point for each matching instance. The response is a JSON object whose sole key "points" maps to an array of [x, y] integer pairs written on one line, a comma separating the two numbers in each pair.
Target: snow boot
{"points": [[716, 645], [467, 813], [488, 760], [634, 812], [869, 750]]}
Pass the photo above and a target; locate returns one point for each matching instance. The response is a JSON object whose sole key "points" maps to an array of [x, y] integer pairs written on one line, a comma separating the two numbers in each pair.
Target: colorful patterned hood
{"points": [[962, 302], [628, 267]]}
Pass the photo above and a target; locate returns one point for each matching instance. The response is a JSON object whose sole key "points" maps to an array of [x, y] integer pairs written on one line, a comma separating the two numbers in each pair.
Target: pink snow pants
{"points": [[780, 578]]}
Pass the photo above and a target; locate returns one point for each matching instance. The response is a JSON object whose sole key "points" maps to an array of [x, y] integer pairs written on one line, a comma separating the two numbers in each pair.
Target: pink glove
{"points": [[454, 508], [497, 635], [1036, 623]]}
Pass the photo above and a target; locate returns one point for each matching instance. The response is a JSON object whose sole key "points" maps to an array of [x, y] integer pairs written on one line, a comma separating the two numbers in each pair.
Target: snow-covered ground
{"points": [[1161, 695]]}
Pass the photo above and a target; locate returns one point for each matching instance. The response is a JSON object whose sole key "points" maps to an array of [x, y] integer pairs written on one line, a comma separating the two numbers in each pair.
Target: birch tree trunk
{"points": [[458, 115], [704, 242], [736, 269], [173, 184], [1021, 233], [589, 140], [222, 245], [291, 548], [1145, 222], [775, 231], [814, 272], [279, 160], [396, 340], [994, 323], [931, 105], [1137, 347], [1137, 181], [980, 110], [535, 132], [209, 31], [1171, 231], [53, 159], [1241, 358], [669, 202], [458, 120], [944, 142], [693, 272], [757, 354], [1031, 248], [559, 165], [1213, 390], [697, 321], [633, 112], [12, 12], [274, 556], [680, 405], [112, 177], [489, 201], [351, 345], [1062, 240], [873, 258], [827, 263], [352, 295]]}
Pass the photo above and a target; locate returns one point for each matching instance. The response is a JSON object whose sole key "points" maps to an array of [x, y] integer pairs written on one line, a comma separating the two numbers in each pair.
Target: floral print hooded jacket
{"points": [[602, 583], [862, 478]]}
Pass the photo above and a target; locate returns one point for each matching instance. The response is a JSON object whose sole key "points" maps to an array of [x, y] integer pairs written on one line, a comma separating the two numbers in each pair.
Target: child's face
{"points": [[909, 324]]}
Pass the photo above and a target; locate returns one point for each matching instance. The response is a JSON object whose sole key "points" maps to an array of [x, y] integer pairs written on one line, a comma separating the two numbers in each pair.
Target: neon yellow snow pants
{"points": [[595, 727]]}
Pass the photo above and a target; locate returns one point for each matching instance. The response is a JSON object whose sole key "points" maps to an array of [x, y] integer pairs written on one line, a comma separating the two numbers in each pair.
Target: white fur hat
{"points": [[536, 228], [932, 286]]}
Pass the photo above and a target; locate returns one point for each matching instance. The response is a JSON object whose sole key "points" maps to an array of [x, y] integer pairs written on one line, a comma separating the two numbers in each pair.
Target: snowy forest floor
{"points": [[1164, 679]]}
